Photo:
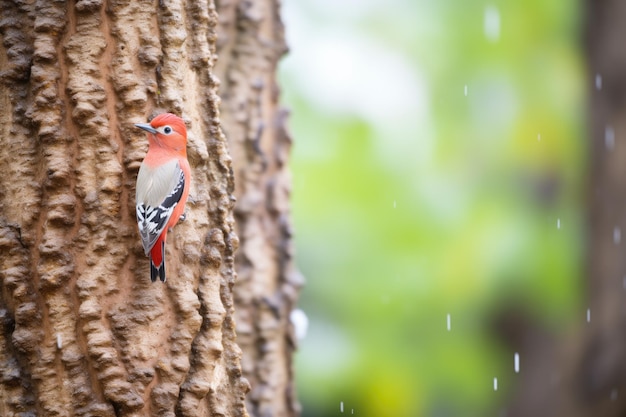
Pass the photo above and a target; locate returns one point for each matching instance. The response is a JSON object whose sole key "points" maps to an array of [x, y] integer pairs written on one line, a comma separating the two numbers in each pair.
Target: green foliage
{"points": [[413, 200]]}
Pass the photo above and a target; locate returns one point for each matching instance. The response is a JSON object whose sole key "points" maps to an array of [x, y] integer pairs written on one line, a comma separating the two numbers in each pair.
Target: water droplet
{"points": [[516, 362], [609, 138], [465, 90], [495, 384], [300, 323], [448, 322], [558, 223], [598, 82], [588, 315], [491, 23], [617, 235]]}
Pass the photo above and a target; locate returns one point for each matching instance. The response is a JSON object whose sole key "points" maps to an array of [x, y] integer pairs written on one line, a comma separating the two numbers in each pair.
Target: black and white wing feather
{"points": [[159, 191]]}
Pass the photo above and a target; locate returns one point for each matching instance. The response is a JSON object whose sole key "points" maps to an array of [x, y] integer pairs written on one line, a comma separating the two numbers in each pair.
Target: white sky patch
{"points": [[347, 73], [491, 23], [344, 73]]}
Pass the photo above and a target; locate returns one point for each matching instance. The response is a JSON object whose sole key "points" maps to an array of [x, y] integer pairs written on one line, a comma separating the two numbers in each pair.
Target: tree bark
{"points": [[250, 43], [84, 331]]}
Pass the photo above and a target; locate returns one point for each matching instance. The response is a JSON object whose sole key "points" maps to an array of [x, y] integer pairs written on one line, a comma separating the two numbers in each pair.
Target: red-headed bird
{"points": [[162, 186]]}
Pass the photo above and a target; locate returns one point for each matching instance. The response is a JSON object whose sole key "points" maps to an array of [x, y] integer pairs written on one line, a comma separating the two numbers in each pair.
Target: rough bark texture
{"points": [[585, 374], [250, 43], [83, 330]]}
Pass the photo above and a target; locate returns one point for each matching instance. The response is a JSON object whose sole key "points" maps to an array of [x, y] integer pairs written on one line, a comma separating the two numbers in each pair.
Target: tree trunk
{"points": [[601, 373], [84, 331], [250, 43], [584, 374]]}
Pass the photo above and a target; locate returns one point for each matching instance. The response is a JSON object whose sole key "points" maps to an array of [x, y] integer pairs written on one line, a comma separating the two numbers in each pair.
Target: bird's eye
{"points": [[167, 130]]}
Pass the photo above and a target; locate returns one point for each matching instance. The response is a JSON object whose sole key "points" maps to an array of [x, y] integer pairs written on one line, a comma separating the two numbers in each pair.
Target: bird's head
{"points": [[167, 131]]}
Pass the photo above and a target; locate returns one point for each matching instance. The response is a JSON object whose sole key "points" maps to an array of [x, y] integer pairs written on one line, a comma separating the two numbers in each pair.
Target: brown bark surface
{"points": [[250, 43], [83, 330]]}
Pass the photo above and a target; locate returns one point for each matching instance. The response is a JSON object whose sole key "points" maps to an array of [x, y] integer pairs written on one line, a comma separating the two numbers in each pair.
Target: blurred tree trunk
{"points": [[83, 330], [585, 374], [250, 43], [601, 374]]}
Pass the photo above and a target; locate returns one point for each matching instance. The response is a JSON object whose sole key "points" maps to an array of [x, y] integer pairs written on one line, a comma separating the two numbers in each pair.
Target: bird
{"points": [[162, 186]]}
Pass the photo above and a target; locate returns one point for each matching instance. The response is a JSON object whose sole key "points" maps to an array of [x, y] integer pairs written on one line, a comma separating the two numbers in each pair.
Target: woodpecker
{"points": [[162, 186]]}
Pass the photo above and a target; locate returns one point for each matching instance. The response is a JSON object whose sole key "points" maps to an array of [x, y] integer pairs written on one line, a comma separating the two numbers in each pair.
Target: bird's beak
{"points": [[146, 127]]}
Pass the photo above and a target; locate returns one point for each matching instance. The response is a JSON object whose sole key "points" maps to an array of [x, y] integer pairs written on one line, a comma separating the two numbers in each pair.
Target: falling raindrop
{"points": [[558, 223], [609, 138], [516, 363], [617, 235], [465, 90], [491, 23], [394, 203], [538, 137], [448, 321], [588, 315], [59, 341], [598, 82], [495, 384], [341, 406]]}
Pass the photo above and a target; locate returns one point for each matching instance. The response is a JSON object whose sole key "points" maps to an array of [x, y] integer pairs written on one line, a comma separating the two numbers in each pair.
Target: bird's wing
{"points": [[159, 190]]}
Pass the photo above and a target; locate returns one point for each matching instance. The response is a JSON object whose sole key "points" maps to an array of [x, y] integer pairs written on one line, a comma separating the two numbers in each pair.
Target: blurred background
{"points": [[438, 197]]}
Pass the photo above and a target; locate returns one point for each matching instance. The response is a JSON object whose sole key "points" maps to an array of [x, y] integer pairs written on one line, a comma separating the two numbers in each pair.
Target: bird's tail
{"points": [[157, 260]]}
